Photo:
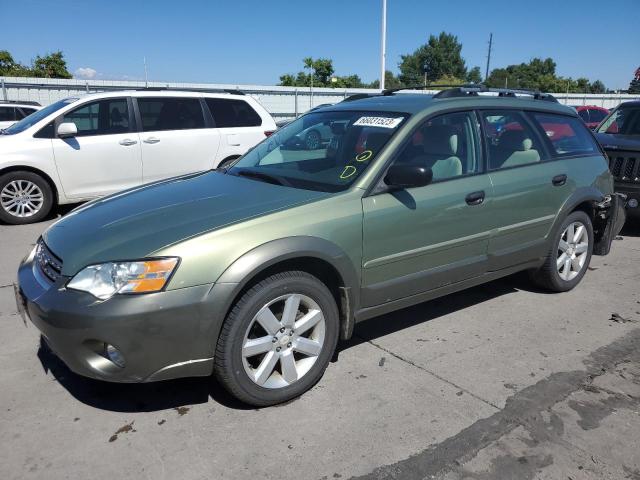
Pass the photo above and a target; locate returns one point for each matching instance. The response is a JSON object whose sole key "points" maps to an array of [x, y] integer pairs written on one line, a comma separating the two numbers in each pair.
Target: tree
{"points": [[474, 75], [322, 72], [540, 74], [390, 81], [598, 87], [438, 57], [9, 67], [634, 86], [50, 66]]}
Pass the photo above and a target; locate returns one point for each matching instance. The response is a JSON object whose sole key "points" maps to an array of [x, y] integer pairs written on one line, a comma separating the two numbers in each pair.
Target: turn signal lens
{"points": [[107, 279]]}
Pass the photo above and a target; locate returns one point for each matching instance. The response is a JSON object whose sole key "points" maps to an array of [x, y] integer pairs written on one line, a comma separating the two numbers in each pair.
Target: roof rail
{"points": [[391, 91], [178, 89], [359, 96], [473, 90], [20, 102]]}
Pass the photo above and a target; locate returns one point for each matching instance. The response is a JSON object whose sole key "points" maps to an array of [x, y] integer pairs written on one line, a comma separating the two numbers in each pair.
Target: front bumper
{"points": [[161, 335], [633, 193]]}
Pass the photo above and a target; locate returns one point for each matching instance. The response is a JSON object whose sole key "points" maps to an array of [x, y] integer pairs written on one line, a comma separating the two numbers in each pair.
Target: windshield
{"points": [[324, 151], [35, 117], [622, 121]]}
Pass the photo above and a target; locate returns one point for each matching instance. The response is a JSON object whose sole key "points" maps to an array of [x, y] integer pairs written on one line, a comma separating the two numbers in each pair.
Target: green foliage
{"points": [[474, 75], [322, 72], [541, 75], [440, 56], [390, 81], [52, 65]]}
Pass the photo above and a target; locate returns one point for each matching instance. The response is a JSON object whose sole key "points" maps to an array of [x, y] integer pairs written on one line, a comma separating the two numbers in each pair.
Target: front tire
{"points": [[25, 197], [278, 339], [570, 254]]}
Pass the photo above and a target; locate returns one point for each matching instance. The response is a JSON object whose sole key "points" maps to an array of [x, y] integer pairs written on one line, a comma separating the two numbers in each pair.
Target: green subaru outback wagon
{"points": [[254, 272]]}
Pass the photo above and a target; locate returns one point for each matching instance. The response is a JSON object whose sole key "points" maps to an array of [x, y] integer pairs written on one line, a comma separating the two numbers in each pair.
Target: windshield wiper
{"points": [[261, 176]]}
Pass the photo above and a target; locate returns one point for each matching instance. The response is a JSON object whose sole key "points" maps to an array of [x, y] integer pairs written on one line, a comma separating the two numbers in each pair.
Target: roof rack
{"points": [[20, 102], [359, 96], [475, 89], [178, 89], [391, 91]]}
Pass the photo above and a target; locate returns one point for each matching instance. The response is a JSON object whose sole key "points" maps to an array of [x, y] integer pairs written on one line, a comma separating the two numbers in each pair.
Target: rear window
{"points": [[229, 113], [166, 113], [568, 136]]}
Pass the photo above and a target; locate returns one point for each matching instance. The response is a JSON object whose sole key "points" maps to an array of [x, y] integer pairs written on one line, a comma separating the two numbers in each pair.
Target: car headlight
{"points": [[107, 279]]}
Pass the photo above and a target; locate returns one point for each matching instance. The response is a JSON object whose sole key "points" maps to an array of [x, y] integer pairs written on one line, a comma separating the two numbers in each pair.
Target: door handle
{"points": [[475, 198], [127, 142], [151, 140], [559, 180]]}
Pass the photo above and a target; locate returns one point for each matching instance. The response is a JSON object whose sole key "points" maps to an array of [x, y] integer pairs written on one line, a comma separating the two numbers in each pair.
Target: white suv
{"points": [[11, 111], [87, 147]]}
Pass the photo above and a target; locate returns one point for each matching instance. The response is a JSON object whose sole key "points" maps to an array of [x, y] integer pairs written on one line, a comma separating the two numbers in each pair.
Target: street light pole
{"points": [[383, 46]]}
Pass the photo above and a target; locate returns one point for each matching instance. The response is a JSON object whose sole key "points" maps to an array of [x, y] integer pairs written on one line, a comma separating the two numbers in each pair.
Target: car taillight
{"points": [[268, 133]]}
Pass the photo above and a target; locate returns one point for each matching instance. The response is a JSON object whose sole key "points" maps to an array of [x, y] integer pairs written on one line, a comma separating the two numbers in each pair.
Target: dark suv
{"points": [[619, 135]]}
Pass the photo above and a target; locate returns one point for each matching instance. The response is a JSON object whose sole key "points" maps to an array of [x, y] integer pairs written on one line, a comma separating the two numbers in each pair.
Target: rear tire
{"points": [[278, 339], [569, 256], [25, 197]]}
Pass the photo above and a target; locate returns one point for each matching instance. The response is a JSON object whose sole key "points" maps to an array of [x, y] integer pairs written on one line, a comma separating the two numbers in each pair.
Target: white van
{"points": [[86, 147]]}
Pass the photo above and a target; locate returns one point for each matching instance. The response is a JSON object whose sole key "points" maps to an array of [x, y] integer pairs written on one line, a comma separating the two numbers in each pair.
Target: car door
{"points": [[104, 156], [238, 124], [422, 238], [175, 137], [528, 189]]}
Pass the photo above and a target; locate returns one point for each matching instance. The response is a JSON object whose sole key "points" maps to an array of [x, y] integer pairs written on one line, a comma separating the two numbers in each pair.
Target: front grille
{"points": [[50, 265], [625, 166]]}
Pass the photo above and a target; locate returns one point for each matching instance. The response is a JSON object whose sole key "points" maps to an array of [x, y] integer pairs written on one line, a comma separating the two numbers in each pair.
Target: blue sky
{"points": [[254, 42]]}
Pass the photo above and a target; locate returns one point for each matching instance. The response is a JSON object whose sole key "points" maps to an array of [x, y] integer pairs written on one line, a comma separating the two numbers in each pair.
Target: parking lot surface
{"points": [[499, 382]]}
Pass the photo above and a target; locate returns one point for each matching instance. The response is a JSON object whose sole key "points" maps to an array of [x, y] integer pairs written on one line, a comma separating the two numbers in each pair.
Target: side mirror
{"points": [[408, 176], [67, 129]]}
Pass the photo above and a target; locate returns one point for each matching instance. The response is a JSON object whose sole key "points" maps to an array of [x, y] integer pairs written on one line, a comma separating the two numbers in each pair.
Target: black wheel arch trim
{"points": [[252, 263]]}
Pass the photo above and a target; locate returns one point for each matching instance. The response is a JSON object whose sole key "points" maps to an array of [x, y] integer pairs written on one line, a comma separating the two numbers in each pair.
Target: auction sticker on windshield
{"points": [[384, 122]]}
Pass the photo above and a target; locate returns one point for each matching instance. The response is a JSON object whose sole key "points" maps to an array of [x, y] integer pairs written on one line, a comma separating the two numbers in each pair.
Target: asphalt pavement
{"points": [[502, 381]]}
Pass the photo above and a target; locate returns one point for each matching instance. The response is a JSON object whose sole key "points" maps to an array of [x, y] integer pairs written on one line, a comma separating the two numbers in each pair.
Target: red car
{"points": [[590, 114]]}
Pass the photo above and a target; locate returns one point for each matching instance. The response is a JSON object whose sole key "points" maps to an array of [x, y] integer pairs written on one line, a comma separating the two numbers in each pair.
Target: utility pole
{"points": [[146, 79], [486, 74], [383, 46]]}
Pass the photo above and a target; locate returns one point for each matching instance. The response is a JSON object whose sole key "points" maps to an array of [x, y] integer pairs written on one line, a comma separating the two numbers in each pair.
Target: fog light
{"points": [[633, 203], [113, 354]]}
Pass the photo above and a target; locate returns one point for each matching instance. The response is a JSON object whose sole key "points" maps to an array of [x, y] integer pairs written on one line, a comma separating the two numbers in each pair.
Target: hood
{"points": [[610, 141], [135, 223]]}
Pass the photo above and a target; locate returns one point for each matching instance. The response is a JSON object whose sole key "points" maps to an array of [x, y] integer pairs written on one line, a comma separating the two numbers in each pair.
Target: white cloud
{"points": [[85, 72]]}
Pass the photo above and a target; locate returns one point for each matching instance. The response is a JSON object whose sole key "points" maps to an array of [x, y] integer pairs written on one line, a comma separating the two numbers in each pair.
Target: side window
{"points": [[167, 113], [229, 113], [596, 115], [568, 136], [510, 140], [7, 114], [104, 117], [447, 144]]}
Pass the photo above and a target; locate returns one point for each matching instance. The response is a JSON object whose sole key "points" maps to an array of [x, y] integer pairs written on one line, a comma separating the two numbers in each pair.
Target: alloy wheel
{"points": [[283, 341], [21, 198], [573, 250]]}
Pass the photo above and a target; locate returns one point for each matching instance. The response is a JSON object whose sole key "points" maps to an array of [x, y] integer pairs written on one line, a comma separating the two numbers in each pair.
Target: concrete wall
{"points": [[281, 102]]}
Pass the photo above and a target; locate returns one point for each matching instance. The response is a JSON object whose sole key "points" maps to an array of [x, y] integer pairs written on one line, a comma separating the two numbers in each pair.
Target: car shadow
{"points": [[631, 228], [150, 397]]}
